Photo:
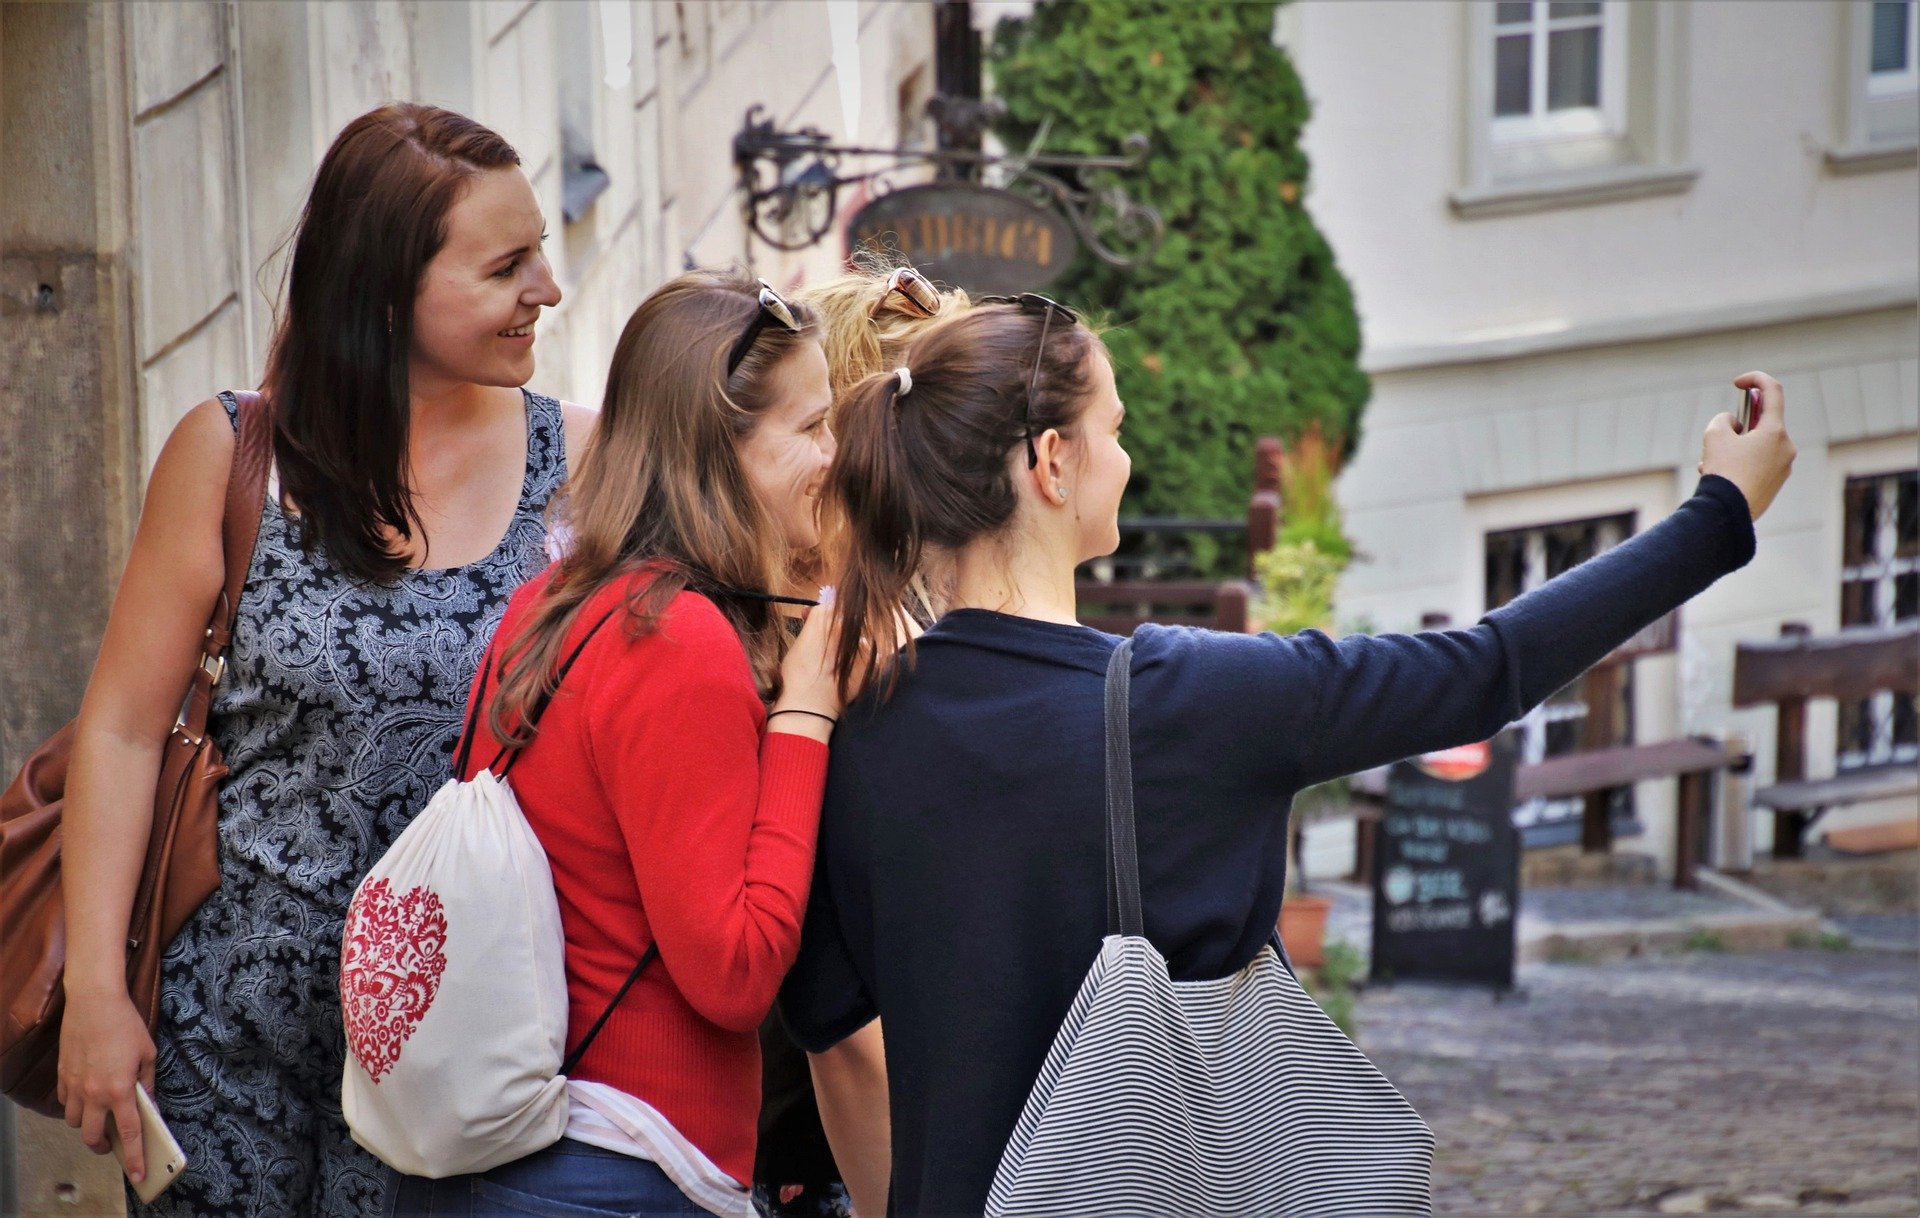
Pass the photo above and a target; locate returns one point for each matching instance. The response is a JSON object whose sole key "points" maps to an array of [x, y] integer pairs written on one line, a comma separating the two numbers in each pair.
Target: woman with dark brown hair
{"points": [[963, 881], [412, 473], [674, 777]]}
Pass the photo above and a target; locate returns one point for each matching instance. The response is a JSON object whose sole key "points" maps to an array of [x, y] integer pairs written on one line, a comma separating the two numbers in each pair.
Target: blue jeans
{"points": [[566, 1180]]}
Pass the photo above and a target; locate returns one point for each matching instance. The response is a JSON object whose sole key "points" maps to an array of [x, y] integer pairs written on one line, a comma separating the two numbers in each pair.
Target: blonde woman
{"points": [[867, 318]]}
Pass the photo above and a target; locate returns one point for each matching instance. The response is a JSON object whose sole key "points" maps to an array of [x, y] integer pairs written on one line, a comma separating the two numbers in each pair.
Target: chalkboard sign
{"points": [[1446, 877], [980, 238]]}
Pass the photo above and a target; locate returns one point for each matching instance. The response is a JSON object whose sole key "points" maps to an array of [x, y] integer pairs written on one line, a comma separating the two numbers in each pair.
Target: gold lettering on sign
{"points": [[949, 231]]}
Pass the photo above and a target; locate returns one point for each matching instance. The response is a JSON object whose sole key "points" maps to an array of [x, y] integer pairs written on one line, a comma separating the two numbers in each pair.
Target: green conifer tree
{"points": [[1240, 325]]}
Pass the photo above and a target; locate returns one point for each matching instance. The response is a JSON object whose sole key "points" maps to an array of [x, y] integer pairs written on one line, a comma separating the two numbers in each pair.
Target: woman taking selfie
{"points": [[411, 476], [964, 878], [674, 779]]}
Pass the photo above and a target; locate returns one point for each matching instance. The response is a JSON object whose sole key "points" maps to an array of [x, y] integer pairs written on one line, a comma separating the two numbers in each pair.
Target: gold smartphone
{"points": [[165, 1159]]}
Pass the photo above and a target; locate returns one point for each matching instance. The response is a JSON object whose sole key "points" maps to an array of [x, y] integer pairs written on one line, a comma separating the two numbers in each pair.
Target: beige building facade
{"points": [[153, 159], [1568, 227]]}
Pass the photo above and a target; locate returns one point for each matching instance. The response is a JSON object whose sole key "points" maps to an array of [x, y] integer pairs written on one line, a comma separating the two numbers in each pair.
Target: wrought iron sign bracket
{"points": [[790, 181]]}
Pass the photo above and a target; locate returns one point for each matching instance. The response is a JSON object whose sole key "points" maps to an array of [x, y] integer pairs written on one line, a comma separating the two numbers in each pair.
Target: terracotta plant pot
{"points": [[1303, 928]]}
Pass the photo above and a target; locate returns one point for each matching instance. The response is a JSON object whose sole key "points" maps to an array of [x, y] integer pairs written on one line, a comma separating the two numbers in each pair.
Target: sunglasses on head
{"points": [[907, 291], [772, 308], [1046, 306]]}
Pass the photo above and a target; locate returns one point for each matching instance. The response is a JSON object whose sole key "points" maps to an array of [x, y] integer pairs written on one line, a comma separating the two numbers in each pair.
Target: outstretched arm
{"points": [[1378, 699]]}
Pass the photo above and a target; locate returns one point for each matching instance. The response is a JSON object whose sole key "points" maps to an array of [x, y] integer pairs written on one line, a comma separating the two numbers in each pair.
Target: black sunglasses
{"points": [[771, 308], [1046, 306]]}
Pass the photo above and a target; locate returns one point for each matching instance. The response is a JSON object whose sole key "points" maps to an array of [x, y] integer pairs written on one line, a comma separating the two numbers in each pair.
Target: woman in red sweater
{"points": [[675, 778]]}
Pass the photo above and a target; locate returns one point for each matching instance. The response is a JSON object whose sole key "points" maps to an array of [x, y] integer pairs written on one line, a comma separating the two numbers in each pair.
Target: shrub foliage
{"points": [[1241, 324]]}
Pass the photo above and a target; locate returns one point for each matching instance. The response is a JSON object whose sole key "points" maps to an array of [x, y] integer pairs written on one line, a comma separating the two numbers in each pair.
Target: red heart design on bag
{"points": [[394, 954]]}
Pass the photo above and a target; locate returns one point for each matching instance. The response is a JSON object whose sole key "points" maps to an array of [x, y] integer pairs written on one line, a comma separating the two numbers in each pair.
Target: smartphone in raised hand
{"points": [[165, 1159], [1749, 411]]}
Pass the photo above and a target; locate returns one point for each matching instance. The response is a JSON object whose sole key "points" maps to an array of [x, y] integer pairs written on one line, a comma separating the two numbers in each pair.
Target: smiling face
{"points": [[478, 300], [786, 455]]}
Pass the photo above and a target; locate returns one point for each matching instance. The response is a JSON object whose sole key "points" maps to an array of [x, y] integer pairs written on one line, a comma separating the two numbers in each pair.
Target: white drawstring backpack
{"points": [[453, 981]]}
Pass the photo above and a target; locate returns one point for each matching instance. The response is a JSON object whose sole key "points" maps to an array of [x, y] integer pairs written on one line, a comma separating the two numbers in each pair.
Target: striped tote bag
{"points": [[1233, 1096]]}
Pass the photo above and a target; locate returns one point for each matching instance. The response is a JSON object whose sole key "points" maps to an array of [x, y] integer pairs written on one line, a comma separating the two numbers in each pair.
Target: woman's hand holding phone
{"points": [[105, 1053], [1758, 458]]}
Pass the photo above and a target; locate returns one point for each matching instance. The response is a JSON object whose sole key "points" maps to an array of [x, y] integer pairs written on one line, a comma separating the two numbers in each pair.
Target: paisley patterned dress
{"points": [[338, 716]]}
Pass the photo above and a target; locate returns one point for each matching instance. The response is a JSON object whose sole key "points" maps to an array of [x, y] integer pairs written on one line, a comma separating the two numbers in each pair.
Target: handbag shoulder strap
{"points": [[239, 528], [1123, 849], [246, 497]]}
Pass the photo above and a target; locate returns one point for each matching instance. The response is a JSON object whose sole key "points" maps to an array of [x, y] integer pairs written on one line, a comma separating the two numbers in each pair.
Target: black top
{"points": [[959, 892]]}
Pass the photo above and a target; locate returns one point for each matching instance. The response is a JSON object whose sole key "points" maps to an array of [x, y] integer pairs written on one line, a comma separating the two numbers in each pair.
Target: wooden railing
{"points": [[1143, 582], [1848, 666]]}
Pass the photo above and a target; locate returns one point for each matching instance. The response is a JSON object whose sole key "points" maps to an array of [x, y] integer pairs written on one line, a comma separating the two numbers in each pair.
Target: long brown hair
{"points": [[660, 486], [337, 372], [929, 469]]}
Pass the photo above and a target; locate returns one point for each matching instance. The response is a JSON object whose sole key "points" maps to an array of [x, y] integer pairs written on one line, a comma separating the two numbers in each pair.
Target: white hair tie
{"points": [[905, 377]]}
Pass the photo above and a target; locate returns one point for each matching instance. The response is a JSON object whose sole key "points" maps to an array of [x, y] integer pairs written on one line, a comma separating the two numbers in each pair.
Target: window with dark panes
{"points": [[1893, 46], [1518, 561], [1547, 57], [1880, 586]]}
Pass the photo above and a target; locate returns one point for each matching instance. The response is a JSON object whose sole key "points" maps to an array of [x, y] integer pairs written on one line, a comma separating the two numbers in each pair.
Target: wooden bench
{"points": [[1848, 666], [1691, 761]]}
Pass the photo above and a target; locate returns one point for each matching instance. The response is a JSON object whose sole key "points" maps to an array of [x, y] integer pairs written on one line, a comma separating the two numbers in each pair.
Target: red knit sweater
{"points": [[668, 817]]}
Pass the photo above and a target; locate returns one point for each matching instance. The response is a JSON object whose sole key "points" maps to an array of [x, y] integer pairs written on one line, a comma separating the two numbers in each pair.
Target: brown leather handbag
{"points": [[183, 855]]}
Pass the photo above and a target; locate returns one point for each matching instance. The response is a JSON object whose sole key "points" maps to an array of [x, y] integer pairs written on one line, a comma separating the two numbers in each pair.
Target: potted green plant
{"points": [[1297, 580]]}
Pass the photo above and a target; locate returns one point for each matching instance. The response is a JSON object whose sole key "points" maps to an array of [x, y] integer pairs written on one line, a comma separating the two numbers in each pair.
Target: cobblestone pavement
{"points": [[1785, 1081]]}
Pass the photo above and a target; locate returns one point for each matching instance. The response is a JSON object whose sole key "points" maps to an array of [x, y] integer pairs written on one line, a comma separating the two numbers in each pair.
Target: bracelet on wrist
{"points": [[794, 710]]}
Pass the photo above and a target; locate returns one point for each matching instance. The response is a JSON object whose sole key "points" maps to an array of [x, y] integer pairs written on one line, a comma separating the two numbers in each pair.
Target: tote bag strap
{"points": [[1123, 850]]}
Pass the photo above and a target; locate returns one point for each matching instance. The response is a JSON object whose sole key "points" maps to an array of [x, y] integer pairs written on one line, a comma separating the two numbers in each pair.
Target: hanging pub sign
{"points": [[980, 238], [1446, 876]]}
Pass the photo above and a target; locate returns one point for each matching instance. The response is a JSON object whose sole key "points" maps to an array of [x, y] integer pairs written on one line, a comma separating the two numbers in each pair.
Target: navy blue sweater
{"points": [[959, 892]]}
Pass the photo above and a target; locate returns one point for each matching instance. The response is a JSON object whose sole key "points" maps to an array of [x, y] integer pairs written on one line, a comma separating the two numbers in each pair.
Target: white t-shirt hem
{"points": [[611, 1119]]}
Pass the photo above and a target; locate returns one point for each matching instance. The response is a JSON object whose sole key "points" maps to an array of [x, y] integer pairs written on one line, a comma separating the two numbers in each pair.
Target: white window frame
{"points": [[1633, 145], [1531, 728], [1606, 119], [1879, 125], [1892, 84], [1882, 567], [1650, 497]]}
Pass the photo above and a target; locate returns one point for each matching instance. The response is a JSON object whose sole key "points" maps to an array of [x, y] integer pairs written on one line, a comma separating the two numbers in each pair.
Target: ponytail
{"points": [[923, 466], [882, 539]]}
